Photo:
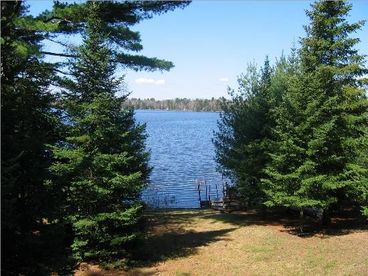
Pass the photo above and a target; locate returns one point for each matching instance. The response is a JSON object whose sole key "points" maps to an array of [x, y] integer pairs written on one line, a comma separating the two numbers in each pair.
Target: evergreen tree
{"points": [[322, 124], [103, 164], [242, 142], [28, 124], [287, 154], [30, 200]]}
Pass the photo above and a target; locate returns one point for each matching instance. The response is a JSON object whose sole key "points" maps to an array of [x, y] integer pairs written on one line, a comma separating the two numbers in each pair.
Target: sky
{"points": [[211, 43]]}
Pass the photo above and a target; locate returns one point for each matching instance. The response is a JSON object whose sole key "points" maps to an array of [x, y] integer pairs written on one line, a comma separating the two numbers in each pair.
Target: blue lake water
{"points": [[182, 156]]}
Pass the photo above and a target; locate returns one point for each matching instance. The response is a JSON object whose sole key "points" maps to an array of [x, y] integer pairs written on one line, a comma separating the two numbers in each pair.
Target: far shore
{"points": [[178, 110]]}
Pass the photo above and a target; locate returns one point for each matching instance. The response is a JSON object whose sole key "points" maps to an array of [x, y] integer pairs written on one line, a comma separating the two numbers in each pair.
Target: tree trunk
{"points": [[263, 211], [301, 217], [326, 217]]}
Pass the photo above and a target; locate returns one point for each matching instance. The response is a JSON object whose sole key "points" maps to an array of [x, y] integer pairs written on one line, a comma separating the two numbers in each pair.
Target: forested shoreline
{"points": [[178, 104]]}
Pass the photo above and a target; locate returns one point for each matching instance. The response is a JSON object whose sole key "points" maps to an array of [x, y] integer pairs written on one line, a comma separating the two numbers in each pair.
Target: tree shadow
{"points": [[168, 237], [342, 223], [173, 216], [254, 217], [175, 244]]}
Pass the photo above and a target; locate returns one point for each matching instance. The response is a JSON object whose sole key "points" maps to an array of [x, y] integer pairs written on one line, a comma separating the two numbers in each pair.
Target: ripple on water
{"points": [[182, 154]]}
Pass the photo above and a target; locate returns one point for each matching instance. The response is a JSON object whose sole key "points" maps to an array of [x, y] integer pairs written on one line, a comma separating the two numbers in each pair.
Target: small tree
{"points": [[103, 163], [242, 142]]}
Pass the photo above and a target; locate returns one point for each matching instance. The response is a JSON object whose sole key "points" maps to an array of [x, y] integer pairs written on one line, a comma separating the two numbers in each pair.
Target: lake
{"points": [[182, 156]]}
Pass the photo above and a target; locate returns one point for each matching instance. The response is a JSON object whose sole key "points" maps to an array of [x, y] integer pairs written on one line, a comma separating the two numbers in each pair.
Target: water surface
{"points": [[182, 156]]}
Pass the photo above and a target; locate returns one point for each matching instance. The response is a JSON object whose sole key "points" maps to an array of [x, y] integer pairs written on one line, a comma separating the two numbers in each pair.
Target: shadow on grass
{"points": [[176, 217], [341, 224], [174, 244], [172, 241]]}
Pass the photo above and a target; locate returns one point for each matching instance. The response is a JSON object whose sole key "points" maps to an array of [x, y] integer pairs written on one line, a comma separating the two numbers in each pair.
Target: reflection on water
{"points": [[182, 156]]}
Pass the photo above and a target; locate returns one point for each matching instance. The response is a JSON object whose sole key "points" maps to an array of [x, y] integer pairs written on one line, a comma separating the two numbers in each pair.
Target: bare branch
{"points": [[58, 54], [62, 72], [59, 42], [57, 18]]}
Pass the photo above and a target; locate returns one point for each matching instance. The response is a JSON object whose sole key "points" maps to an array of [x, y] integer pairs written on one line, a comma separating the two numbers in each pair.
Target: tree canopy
{"points": [[117, 18]]}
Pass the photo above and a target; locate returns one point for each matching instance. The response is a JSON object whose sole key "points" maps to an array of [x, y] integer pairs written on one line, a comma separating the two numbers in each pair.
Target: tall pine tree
{"points": [[103, 164], [322, 126], [28, 125]]}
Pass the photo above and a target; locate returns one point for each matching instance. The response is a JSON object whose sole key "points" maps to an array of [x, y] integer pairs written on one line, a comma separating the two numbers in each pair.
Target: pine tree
{"points": [[322, 125], [337, 112], [28, 125], [103, 165], [281, 173], [30, 121]]}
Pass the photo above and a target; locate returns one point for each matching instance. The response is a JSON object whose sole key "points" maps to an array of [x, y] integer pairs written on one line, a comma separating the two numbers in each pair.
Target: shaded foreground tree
{"points": [[28, 124], [103, 165]]}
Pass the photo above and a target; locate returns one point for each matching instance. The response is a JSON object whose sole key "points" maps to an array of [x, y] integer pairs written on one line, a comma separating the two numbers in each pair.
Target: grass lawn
{"points": [[206, 242]]}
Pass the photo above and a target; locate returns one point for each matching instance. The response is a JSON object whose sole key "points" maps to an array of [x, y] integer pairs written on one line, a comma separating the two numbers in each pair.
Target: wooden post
{"points": [[199, 193], [223, 190]]}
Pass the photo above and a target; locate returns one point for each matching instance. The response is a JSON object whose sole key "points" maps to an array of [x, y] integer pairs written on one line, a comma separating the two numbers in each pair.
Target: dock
{"points": [[226, 205]]}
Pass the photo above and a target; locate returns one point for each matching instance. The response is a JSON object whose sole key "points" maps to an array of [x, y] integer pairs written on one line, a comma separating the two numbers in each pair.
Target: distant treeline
{"points": [[175, 104]]}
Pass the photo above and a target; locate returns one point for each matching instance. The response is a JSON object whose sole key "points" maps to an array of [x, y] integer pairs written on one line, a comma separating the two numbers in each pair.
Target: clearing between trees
{"points": [[207, 242]]}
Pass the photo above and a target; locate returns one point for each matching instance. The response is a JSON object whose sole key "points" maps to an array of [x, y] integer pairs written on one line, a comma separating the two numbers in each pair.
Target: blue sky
{"points": [[211, 42]]}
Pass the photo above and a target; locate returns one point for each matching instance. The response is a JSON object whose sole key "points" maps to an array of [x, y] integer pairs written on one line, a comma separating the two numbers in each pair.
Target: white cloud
{"points": [[150, 81], [160, 82], [224, 79]]}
